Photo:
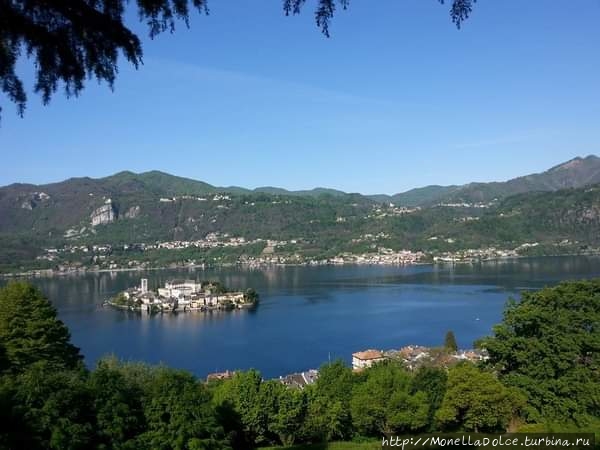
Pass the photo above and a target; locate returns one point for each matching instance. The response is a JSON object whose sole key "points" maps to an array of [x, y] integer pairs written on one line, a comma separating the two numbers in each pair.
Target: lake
{"points": [[306, 314]]}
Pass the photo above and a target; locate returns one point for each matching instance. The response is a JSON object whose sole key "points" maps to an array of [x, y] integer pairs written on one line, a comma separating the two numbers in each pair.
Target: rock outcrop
{"points": [[133, 212], [34, 199], [107, 213]]}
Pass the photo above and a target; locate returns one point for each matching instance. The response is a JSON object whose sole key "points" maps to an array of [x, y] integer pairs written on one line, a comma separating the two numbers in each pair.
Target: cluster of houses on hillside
{"points": [[300, 380], [294, 380], [416, 356], [183, 295], [411, 356]]}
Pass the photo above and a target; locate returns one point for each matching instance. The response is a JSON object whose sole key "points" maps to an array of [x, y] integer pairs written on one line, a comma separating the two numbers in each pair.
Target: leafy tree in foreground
{"points": [[71, 41], [384, 403], [548, 344], [118, 406], [328, 416], [432, 381], [30, 331], [246, 393], [47, 409], [476, 401], [179, 414], [290, 415]]}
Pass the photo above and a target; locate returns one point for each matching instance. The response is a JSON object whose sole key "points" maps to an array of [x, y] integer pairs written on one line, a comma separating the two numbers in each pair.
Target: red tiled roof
{"points": [[368, 355]]}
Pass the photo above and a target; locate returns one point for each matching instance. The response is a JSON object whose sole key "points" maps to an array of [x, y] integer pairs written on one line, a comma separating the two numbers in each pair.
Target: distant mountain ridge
{"points": [[560, 205], [575, 173]]}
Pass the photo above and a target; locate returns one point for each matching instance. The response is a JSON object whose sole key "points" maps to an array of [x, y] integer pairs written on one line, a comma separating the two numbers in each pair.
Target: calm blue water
{"points": [[306, 314]]}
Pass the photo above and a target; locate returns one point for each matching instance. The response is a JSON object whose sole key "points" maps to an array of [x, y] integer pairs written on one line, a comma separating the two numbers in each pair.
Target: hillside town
{"points": [[412, 357], [73, 259], [182, 295]]}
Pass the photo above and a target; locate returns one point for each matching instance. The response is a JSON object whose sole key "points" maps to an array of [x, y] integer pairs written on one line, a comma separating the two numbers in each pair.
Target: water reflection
{"points": [[305, 314]]}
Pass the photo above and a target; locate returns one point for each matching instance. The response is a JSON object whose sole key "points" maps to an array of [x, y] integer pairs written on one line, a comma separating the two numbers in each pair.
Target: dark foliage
{"points": [[547, 347], [30, 331], [74, 40], [71, 41], [450, 342]]}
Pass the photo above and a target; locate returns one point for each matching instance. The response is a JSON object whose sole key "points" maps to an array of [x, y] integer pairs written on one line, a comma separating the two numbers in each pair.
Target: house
{"points": [[179, 288], [362, 360], [220, 376], [300, 380]]}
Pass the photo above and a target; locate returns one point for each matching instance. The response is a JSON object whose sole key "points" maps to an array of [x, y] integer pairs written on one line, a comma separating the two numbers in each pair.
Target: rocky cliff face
{"points": [[107, 213], [34, 199], [133, 212]]}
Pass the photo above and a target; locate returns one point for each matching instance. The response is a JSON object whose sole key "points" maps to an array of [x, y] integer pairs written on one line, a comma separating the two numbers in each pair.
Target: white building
{"points": [[144, 285], [362, 360], [179, 288]]}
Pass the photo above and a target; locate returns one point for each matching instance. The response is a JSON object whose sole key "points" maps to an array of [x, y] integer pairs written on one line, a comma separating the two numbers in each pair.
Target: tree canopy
{"points": [[477, 401], [548, 345], [544, 370], [71, 41], [30, 331]]}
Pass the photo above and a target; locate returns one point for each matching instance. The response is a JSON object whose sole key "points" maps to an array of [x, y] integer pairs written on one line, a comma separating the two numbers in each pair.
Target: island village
{"points": [[183, 295]]}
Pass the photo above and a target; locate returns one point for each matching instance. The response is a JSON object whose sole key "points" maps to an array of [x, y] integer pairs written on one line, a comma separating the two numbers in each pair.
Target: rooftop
{"points": [[368, 355]]}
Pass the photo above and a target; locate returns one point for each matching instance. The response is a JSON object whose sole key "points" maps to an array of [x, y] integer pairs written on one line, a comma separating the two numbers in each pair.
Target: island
{"points": [[183, 295]]}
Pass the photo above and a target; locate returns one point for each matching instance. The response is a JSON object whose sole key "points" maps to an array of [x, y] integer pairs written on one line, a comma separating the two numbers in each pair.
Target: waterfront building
{"points": [[179, 288], [300, 380], [362, 360]]}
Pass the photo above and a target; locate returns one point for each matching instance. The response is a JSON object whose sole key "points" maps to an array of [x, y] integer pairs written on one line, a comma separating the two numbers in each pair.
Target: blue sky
{"points": [[397, 98]]}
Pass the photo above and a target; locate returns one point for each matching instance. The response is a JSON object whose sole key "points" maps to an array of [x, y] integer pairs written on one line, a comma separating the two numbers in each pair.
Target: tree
{"points": [[384, 403], [47, 408], [476, 401], [432, 381], [178, 413], [450, 342], [74, 40], [118, 405], [290, 415], [243, 392], [548, 345], [30, 331], [328, 416]]}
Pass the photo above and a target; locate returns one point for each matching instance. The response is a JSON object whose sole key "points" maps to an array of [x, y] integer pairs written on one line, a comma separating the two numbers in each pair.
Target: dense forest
{"points": [[543, 375]]}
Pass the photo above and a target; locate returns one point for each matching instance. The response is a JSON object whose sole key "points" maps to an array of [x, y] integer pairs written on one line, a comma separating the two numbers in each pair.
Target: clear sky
{"points": [[396, 98]]}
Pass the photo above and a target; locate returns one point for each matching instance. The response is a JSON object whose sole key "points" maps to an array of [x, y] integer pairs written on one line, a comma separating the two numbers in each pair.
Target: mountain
{"points": [[127, 208], [128, 212], [58, 205], [428, 195], [576, 173], [316, 192]]}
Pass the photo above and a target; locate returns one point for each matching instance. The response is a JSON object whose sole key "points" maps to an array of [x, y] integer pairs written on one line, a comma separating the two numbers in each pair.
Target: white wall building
{"points": [[362, 360], [144, 285]]}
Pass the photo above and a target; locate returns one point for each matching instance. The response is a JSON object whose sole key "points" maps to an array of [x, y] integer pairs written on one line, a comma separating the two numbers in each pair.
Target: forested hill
{"points": [[152, 208]]}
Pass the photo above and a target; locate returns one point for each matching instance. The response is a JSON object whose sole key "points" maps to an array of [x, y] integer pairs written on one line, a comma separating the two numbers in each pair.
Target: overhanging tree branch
{"points": [[71, 41]]}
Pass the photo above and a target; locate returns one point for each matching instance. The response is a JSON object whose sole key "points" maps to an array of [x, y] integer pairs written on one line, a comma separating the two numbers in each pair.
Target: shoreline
{"points": [[50, 273]]}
